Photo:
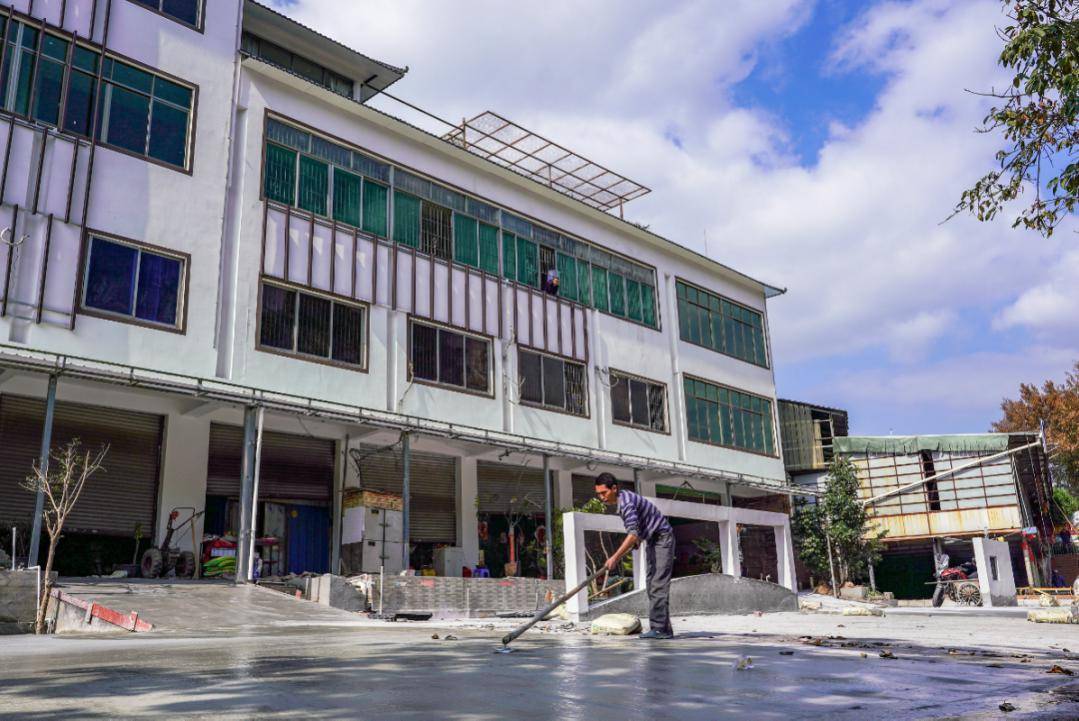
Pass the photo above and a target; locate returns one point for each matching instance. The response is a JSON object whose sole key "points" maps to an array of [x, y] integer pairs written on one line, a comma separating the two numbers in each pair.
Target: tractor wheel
{"points": [[185, 565], [151, 563], [969, 595]]}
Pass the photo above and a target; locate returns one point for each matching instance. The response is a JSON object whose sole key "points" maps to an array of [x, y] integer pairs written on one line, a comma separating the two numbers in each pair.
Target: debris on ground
{"points": [[616, 624], [449, 637], [862, 611], [434, 636], [786, 653], [744, 663], [1006, 707], [1047, 601], [887, 654], [804, 605], [1061, 614], [1057, 668]]}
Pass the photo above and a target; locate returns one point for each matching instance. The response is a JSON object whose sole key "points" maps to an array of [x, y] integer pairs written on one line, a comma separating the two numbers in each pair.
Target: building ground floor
{"points": [[906, 568], [178, 451]]}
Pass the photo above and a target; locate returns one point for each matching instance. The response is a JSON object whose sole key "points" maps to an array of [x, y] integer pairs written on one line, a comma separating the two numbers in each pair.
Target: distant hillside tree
{"points": [[1057, 406], [1036, 118]]}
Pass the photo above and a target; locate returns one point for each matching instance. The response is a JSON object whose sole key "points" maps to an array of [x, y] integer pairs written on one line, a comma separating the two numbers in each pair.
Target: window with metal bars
{"points": [[436, 233], [552, 382], [638, 402], [449, 358], [714, 322], [727, 417], [310, 325]]}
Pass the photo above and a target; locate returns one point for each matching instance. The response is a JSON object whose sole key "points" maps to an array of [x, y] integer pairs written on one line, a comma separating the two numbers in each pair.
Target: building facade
{"points": [[210, 236]]}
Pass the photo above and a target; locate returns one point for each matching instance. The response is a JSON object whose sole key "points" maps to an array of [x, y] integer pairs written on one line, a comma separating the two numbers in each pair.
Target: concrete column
{"points": [[43, 464], [563, 481], [467, 525], [183, 473], [576, 569], [728, 546], [786, 575], [249, 493]]}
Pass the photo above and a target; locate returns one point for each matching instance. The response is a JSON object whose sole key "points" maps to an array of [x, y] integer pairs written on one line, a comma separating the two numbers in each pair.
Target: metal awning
{"points": [[63, 365]]}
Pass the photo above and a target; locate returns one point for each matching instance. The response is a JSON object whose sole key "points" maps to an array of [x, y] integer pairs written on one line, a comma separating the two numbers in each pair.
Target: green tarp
{"points": [[991, 442]]}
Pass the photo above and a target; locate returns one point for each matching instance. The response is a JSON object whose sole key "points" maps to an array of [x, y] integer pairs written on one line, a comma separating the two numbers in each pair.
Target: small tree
{"points": [[62, 485], [840, 520]]}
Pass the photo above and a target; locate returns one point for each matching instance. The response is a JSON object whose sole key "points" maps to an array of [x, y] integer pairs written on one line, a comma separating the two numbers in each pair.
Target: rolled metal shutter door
{"points": [[293, 467], [504, 489], [116, 498], [432, 516]]}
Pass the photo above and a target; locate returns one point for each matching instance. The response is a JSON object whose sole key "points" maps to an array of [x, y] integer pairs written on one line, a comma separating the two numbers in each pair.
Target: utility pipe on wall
{"points": [[548, 517]]}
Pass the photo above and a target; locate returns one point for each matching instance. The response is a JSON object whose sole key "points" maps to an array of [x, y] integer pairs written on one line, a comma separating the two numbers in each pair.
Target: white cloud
{"points": [[1051, 306]]}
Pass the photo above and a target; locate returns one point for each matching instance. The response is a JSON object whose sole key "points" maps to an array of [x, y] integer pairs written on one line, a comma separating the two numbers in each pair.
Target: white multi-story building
{"points": [[202, 215]]}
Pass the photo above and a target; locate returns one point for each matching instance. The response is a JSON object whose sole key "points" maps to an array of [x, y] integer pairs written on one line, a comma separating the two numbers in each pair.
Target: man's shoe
{"points": [[656, 634]]}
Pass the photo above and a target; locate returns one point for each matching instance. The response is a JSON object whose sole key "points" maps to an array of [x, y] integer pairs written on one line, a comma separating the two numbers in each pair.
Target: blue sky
{"points": [[817, 145]]}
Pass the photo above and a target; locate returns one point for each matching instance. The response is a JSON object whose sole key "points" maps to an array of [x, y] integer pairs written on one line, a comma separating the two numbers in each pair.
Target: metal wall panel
{"points": [[432, 491], [122, 494], [503, 489]]}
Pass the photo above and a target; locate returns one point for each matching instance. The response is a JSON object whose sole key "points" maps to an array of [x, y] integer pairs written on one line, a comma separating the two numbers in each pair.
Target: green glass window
{"points": [[618, 294], [465, 240], [406, 219], [714, 322], [48, 87], [567, 276], [633, 300], [279, 183], [599, 289], [314, 185], [488, 249], [584, 282], [527, 262], [144, 114], [509, 255], [726, 417], [648, 305], [375, 199], [347, 189]]}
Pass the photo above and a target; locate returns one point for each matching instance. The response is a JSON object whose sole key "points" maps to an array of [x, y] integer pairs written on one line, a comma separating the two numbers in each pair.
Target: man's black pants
{"points": [[660, 555]]}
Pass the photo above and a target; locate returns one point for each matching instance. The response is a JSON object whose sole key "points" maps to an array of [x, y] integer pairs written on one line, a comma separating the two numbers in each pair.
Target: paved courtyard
{"points": [[802, 666]]}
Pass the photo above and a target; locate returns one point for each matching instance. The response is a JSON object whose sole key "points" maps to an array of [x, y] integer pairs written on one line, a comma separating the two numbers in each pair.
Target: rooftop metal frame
{"points": [[502, 141]]}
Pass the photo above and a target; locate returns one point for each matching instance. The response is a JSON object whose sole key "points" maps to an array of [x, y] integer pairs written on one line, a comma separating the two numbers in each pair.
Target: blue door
{"points": [[308, 539]]}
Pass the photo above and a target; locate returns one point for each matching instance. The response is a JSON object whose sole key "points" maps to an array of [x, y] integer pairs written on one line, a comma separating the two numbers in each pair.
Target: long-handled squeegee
{"points": [[540, 615]]}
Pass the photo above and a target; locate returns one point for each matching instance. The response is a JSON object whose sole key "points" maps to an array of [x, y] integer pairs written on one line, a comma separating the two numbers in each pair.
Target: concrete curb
{"points": [[67, 616]]}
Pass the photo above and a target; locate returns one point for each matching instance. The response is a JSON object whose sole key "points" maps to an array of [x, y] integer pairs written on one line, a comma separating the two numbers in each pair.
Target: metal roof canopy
{"points": [[491, 136], [370, 75]]}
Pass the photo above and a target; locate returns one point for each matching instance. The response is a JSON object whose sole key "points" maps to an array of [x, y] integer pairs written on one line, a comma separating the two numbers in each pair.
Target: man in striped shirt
{"points": [[644, 522]]}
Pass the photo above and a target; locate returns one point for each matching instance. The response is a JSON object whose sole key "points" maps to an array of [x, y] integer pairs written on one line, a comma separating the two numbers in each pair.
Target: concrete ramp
{"points": [[188, 607], [709, 593]]}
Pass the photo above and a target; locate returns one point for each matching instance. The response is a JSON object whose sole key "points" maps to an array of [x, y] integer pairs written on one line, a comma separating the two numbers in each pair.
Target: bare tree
{"points": [[61, 483]]}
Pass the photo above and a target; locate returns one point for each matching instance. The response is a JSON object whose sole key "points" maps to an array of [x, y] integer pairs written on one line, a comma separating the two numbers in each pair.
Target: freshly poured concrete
{"points": [[279, 667]]}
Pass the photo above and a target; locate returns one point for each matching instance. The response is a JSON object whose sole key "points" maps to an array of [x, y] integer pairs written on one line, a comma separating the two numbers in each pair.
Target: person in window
{"points": [[644, 522], [550, 285]]}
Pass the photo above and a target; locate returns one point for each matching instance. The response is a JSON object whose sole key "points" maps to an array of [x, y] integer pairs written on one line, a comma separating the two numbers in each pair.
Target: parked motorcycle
{"points": [[958, 583]]}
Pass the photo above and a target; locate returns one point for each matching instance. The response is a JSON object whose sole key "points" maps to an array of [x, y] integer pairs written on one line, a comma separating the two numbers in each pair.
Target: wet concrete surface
{"points": [[398, 671]]}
